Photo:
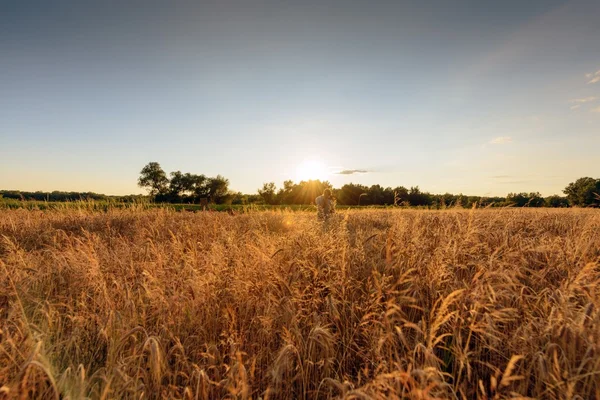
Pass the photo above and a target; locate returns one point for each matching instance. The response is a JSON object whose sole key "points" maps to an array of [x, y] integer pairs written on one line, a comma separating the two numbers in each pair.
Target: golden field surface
{"points": [[375, 304]]}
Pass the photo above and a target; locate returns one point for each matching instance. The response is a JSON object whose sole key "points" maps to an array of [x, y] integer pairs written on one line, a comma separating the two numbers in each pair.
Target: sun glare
{"points": [[311, 169]]}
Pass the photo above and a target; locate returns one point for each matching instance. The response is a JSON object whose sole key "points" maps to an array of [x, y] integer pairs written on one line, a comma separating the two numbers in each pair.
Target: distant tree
{"points": [[492, 201], [196, 186], [516, 199], [400, 195], [418, 198], [584, 192], [350, 194], [303, 192], [186, 187], [556, 201], [473, 200], [177, 185], [218, 189], [268, 193], [239, 198], [445, 200], [388, 196], [532, 199], [253, 198], [376, 195], [284, 195], [154, 179], [306, 192], [535, 200]]}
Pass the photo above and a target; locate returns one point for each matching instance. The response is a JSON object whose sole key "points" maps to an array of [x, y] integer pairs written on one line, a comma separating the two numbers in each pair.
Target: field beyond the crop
{"points": [[151, 304]]}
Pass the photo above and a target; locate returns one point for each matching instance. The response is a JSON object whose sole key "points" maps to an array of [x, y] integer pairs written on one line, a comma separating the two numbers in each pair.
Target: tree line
{"points": [[191, 188], [179, 187], [585, 192], [52, 196]]}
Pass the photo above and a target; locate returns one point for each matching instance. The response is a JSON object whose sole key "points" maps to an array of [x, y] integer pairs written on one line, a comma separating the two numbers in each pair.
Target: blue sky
{"points": [[479, 97]]}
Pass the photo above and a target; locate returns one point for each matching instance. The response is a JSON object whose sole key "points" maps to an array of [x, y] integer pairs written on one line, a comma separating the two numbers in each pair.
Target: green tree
{"points": [[556, 201], [533, 199], [196, 185], [239, 198], [517, 199], [584, 192], [268, 193], [418, 198], [284, 195], [177, 185], [400, 195], [352, 194], [154, 179], [218, 189], [187, 186], [304, 192], [376, 195]]}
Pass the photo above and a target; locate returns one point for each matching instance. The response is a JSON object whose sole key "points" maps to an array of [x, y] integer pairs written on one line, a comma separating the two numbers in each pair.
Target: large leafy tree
{"points": [[177, 185], [197, 185], [153, 178], [186, 185], [584, 192], [218, 189]]}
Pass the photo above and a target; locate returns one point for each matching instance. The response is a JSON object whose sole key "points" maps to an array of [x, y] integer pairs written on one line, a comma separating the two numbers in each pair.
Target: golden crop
{"points": [[377, 304]]}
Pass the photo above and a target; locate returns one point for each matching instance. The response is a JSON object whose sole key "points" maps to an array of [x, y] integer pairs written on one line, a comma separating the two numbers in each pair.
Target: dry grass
{"points": [[380, 304]]}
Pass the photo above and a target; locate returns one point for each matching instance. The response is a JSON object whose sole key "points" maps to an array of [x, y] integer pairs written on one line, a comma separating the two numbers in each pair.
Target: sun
{"points": [[311, 169]]}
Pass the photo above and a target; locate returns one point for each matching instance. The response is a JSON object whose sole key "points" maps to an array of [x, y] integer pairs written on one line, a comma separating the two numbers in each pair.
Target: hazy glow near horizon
{"points": [[477, 97]]}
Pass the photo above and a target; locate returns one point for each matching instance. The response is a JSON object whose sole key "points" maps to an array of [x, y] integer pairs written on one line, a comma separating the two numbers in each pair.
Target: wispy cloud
{"points": [[509, 180], [501, 140], [593, 77], [595, 110], [583, 100], [352, 171], [575, 107]]}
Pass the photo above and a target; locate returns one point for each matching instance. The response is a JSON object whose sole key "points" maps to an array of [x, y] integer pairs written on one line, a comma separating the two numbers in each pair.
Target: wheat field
{"points": [[451, 304]]}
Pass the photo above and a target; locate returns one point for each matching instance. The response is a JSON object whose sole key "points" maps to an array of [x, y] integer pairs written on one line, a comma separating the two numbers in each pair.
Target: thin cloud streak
{"points": [[593, 78], [501, 140], [514, 182], [351, 171], [584, 100]]}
